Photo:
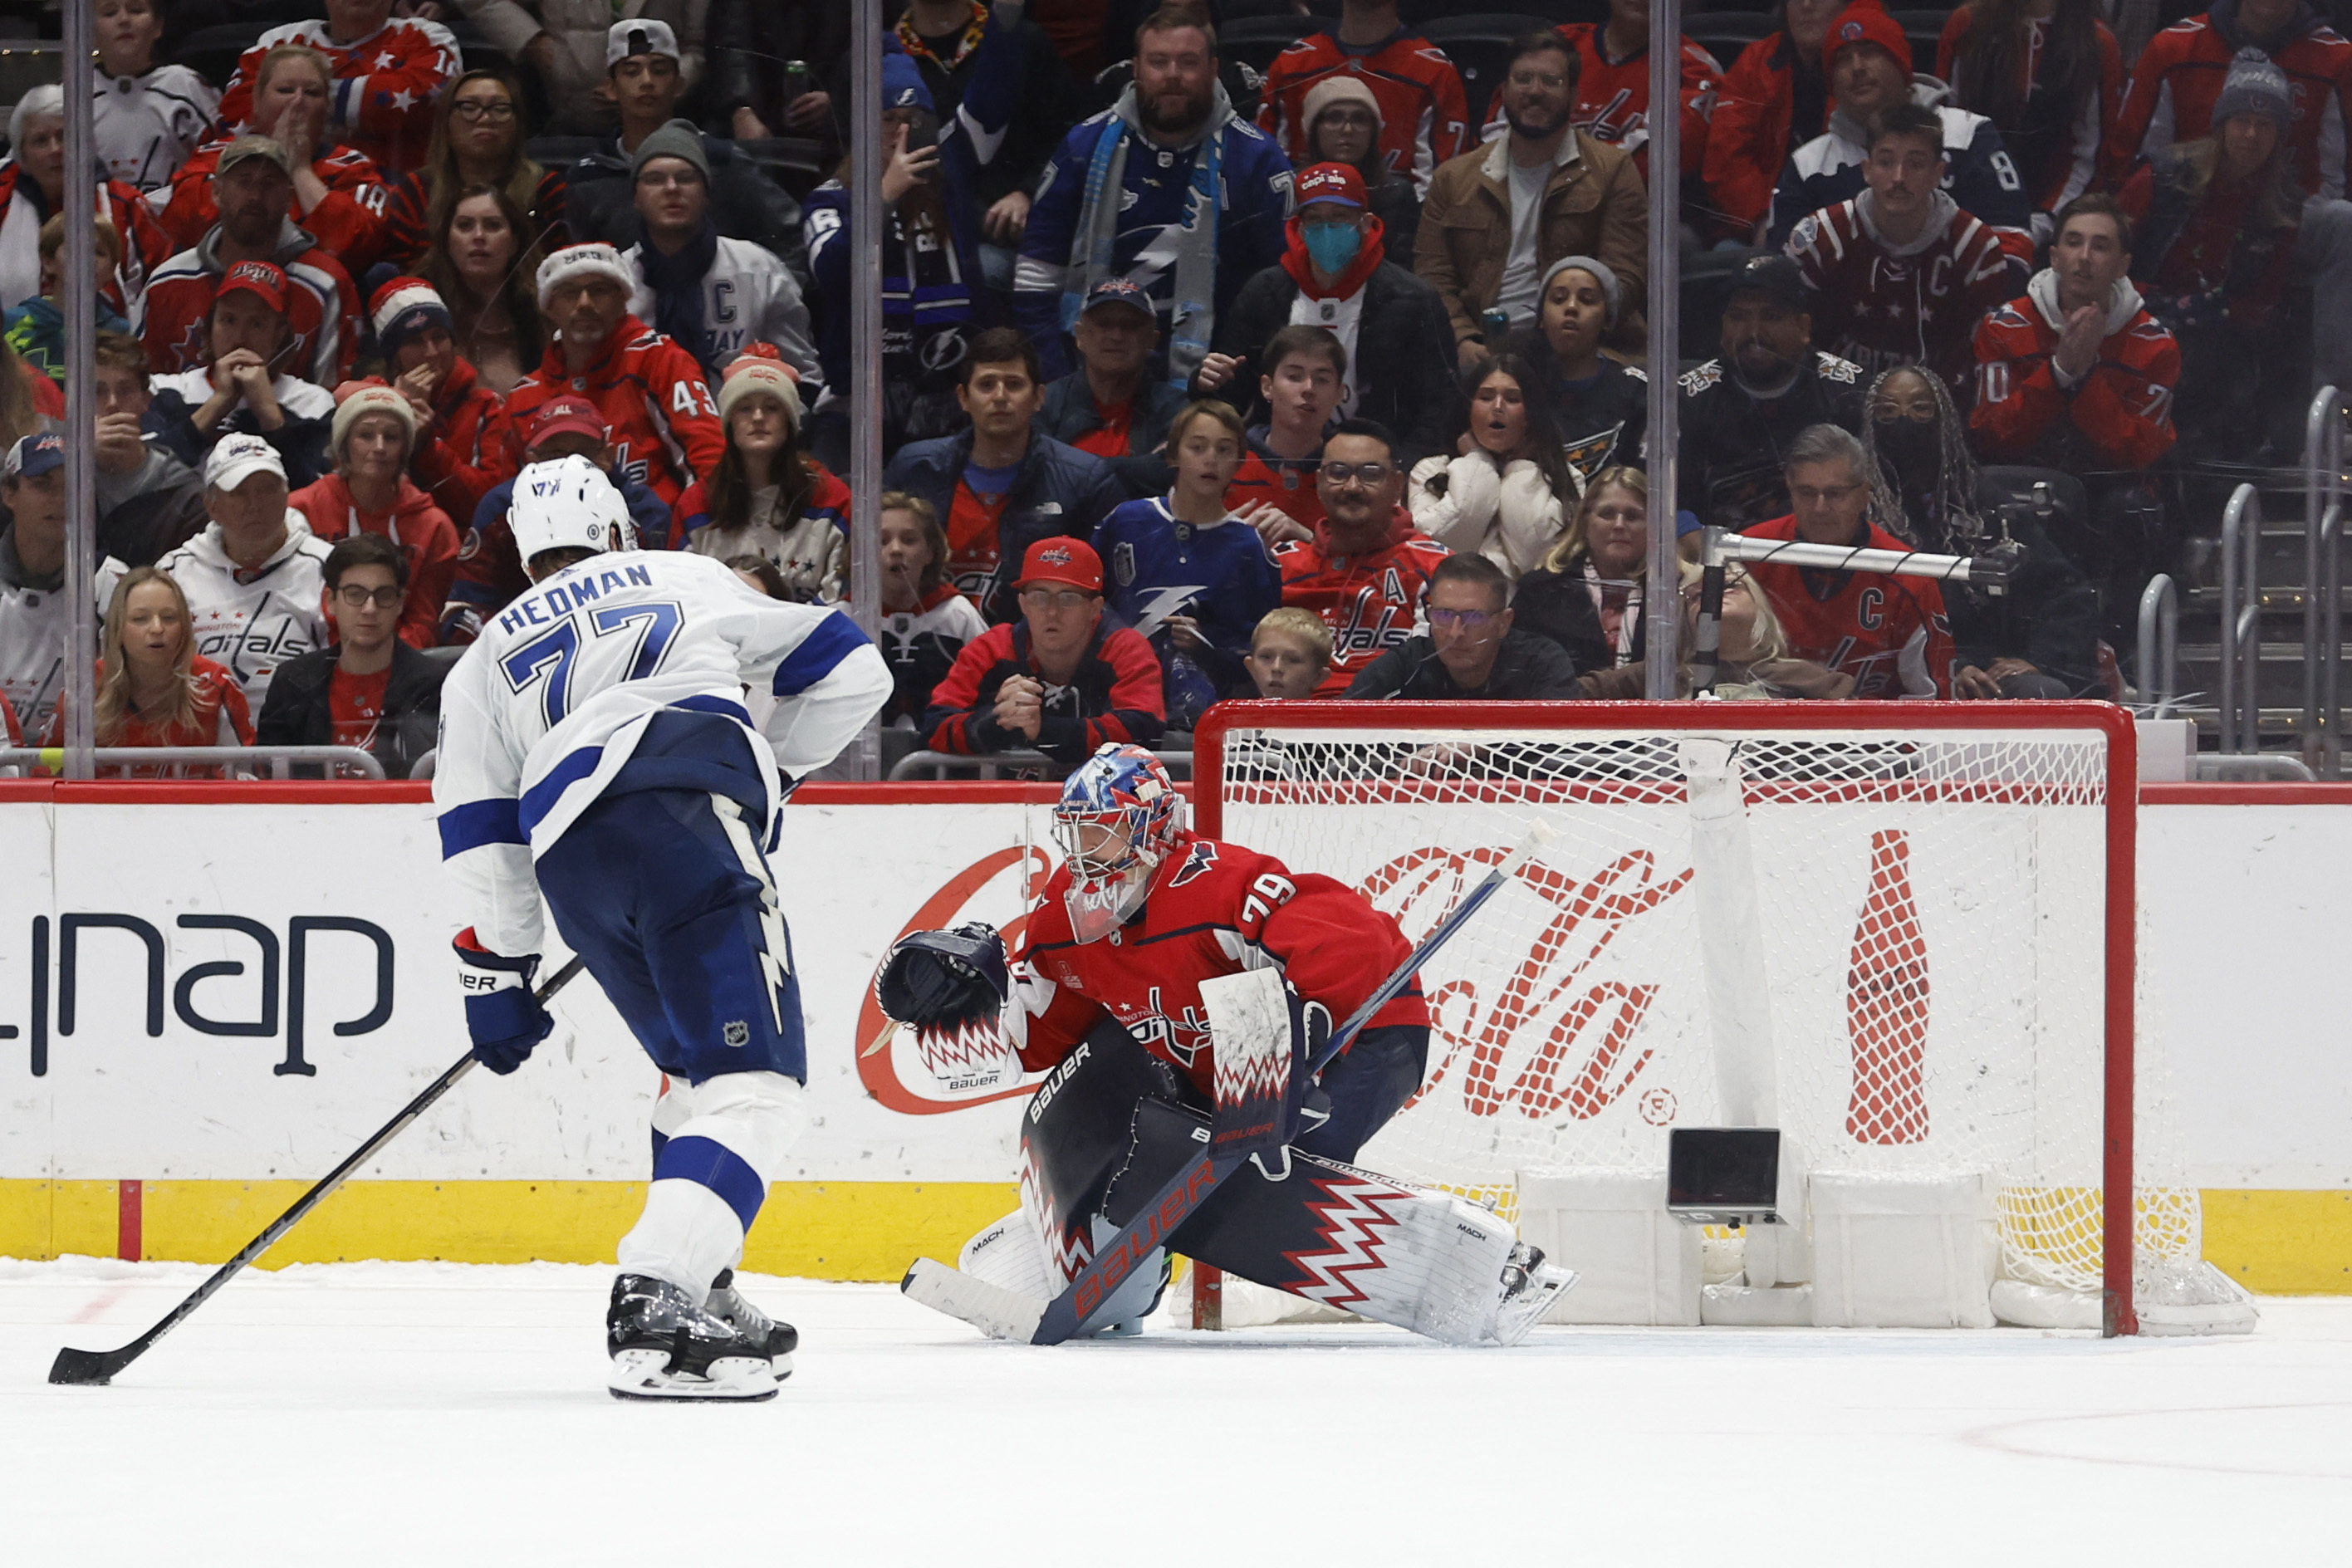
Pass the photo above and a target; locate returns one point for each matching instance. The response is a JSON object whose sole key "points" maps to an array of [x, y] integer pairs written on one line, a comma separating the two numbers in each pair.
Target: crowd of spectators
{"points": [[1313, 372]]}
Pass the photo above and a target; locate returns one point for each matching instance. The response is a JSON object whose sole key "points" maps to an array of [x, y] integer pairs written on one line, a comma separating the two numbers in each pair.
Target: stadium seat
{"points": [[1724, 34], [1256, 40], [558, 152], [1479, 48]]}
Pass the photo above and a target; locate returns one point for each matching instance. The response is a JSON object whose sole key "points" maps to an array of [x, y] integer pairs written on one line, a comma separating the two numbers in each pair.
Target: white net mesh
{"points": [[1914, 951]]}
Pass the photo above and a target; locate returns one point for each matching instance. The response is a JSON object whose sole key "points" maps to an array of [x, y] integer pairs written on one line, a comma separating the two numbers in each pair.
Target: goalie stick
{"points": [[1007, 1314], [97, 1368]]}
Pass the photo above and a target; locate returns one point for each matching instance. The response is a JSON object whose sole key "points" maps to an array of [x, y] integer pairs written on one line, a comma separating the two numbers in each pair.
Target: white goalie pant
{"points": [[728, 1136]]}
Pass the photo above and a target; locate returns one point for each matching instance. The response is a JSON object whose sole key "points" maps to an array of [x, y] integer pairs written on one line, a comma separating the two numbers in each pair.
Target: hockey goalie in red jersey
{"points": [[1116, 988]]}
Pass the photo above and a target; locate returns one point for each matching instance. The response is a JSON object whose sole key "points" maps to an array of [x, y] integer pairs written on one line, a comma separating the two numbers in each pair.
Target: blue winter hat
{"points": [[902, 79]]}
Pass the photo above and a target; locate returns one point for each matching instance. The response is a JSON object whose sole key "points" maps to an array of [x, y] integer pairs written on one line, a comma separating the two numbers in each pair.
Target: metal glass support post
{"points": [[865, 228], [2241, 617], [1661, 595], [79, 690], [2159, 645], [2322, 580]]}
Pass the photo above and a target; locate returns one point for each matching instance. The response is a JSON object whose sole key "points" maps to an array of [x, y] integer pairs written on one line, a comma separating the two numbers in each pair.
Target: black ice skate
{"points": [[665, 1347], [733, 1307]]}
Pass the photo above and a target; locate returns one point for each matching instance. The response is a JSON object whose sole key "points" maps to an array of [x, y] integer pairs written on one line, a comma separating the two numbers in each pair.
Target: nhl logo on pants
{"points": [[738, 1033]]}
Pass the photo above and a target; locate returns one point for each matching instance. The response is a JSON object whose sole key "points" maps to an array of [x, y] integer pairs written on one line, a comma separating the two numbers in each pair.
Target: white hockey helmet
{"points": [[567, 504]]}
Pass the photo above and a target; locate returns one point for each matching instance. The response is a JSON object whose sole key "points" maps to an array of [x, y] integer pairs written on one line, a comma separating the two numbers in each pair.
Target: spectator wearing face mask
{"points": [[461, 433], [370, 492], [1343, 126]]}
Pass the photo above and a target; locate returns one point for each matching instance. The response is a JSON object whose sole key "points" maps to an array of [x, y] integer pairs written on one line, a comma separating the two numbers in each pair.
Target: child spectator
{"points": [[477, 140], [461, 436], [1471, 650], [146, 117], [254, 577], [1304, 378], [2050, 84], [1587, 594], [1419, 114], [485, 268], [768, 497], [924, 622], [1187, 575], [370, 492], [32, 190], [1599, 406], [385, 71], [1344, 125], [1111, 405], [1773, 99], [1505, 496], [34, 630], [148, 501], [1059, 681], [237, 387], [372, 689], [1366, 570], [1289, 653], [37, 328], [153, 688]]}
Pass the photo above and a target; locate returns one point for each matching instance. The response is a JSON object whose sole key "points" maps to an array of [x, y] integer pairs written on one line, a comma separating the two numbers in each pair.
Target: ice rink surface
{"points": [[450, 1415]]}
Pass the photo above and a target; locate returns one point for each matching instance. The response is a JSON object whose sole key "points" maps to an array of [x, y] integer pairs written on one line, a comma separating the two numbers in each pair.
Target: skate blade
{"points": [[1522, 1312], [642, 1375]]}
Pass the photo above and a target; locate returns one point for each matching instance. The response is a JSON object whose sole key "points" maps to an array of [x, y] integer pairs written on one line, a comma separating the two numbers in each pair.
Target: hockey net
{"points": [[1934, 939]]}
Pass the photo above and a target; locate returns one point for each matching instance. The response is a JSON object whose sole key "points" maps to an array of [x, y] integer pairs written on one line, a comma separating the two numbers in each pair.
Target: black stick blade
{"points": [[86, 1369]]}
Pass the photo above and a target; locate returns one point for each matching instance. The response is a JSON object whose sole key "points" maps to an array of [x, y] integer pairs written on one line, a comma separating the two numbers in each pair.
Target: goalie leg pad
{"points": [[1079, 1133], [1008, 1255]]}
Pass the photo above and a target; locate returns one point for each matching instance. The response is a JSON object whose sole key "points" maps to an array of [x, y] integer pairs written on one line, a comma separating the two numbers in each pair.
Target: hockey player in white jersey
{"points": [[595, 748]]}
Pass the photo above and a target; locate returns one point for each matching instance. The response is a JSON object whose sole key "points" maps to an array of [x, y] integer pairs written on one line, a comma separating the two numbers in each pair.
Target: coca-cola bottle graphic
{"points": [[1887, 1003]]}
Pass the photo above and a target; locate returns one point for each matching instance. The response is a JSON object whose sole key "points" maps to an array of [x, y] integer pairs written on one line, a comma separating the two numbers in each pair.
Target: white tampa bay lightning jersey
{"points": [[548, 705]]}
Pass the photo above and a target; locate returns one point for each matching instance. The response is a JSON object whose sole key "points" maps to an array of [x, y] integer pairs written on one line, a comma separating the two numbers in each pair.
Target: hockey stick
{"points": [[1006, 1314], [97, 1368]]}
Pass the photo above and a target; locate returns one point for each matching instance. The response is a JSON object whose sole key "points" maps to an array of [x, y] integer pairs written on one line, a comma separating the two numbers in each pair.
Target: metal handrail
{"points": [[2242, 621], [2323, 579], [421, 770], [2264, 764], [2159, 645], [233, 761], [941, 764]]}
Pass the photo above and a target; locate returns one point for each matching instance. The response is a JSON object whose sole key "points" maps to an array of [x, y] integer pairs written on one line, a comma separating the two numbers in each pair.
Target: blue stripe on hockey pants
{"points": [[1368, 1085]]}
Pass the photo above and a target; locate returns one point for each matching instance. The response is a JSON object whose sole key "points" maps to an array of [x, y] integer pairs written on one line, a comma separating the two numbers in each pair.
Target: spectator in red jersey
{"points": [[1888, 632], [254, 190], [2215, 225], [148, 501], [1773, 99], [1901, 274], [370, 492], [657, 410], [1110, 405], [370, 689], [924, 622], [1600, 407], [339, 194], [146, 117], [1422, 117], [477, 140], [1613, 85], [1752, 664], [1290, 652], [769, 497], [2048, 74], [1366, 570], [386, 72], [2076, 375], [1505, 496], [1002, 485], [1496, 218], [461, 435], [1058, 681], [1471, 651], [32, 190], [1587, 594], [1304, 382], [153, 689], [483, 265], [238, 386], [1337, 274], [1343, 126]]}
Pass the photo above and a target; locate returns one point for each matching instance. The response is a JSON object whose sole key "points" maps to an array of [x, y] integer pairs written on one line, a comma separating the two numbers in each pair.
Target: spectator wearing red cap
{"points": [[657, 410], [1336, 275], [769, 497], [32, 190], [1868, 58], [370, 492], [254, 191], [490, 572], [1422, 115], [461, 433], [1055, 680], [386, 72], [1110, 405], [239, 385]]}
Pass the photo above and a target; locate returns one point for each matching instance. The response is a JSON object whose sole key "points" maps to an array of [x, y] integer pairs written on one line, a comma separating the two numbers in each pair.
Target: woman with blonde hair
{"points": [[1752, 663], [153, 688], [1586, 592]]}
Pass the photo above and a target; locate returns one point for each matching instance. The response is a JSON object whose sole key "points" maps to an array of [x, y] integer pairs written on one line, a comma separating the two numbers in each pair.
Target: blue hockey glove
{"points": [[502, 1016]]}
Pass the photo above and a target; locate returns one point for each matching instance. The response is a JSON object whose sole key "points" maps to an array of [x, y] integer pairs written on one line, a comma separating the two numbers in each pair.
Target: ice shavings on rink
{"points": [[407, 1413]]}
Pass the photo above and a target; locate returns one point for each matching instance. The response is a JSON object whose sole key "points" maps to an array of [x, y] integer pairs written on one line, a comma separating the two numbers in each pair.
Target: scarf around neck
{"points": [[675, 283], [1301, 266]]}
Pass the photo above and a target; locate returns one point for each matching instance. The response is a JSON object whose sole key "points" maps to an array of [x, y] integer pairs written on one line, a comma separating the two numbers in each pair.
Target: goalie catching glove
{"points": [[943, 978], [505, 1021]]}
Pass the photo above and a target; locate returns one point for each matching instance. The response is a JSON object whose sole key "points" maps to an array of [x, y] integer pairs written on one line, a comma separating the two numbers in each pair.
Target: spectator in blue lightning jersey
{"points": [[1168, 187]]}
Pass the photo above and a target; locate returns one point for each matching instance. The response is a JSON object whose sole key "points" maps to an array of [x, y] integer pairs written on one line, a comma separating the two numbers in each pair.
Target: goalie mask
{"points": [[1119, 816]]}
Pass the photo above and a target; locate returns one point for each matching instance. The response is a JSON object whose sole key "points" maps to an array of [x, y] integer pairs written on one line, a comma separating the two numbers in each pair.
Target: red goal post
{"points": [[1998, 836]]}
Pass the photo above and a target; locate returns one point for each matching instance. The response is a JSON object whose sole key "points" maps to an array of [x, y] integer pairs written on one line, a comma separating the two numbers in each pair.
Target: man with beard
{"points": [[1496, 218], [1168, 188], [1741, 411], [1367, 569]]}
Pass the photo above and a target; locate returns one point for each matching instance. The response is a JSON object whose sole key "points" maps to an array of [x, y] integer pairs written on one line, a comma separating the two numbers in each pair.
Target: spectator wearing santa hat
{"points": [[460, 423], [657, 410], [769, 497], [241, 385], [370, 492], [1336, 275]]}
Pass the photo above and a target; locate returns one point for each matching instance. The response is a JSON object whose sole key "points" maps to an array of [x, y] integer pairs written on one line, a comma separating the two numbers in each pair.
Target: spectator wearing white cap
{"points": [[386, 72], [643, 60], [35, 621], [769, 497], [370, 492], [241, 385], [460, 423], [1343, 121], [658, 414], [715, 297], [255, 577], [567, 45]]}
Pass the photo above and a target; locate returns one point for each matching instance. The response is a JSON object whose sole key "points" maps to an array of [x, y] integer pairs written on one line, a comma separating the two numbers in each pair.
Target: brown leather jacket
{"points": [[1594, 205]]}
